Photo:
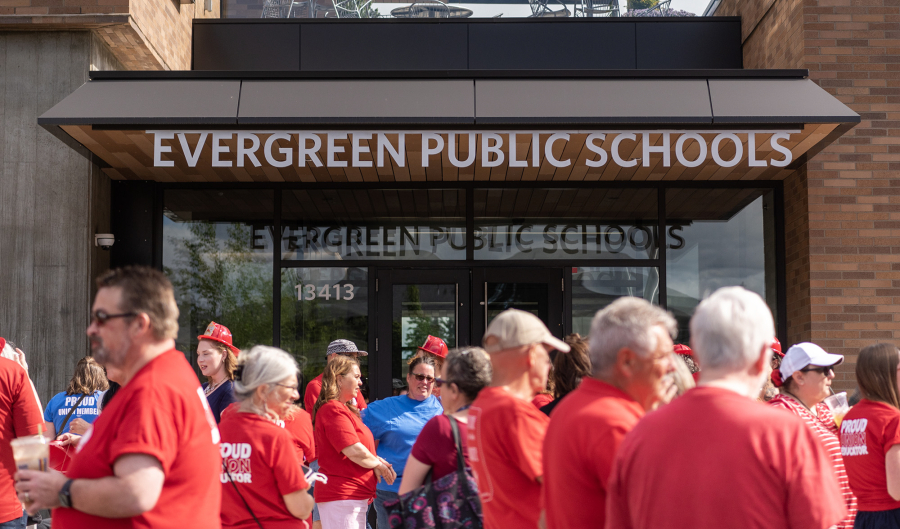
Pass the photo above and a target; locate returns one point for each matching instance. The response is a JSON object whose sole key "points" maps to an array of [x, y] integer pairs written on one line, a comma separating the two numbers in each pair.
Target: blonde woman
{"points": [[216, 356], [79, 400], [346, 450]]}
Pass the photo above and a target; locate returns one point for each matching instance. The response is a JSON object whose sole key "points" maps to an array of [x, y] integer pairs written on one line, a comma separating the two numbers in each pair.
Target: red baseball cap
{"points": [[219, 333], [776, 346], [683, 350], [435, 346]]}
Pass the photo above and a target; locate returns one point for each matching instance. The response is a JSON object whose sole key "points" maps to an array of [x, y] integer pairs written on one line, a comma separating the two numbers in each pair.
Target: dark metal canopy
{"points": [[460, 102]]}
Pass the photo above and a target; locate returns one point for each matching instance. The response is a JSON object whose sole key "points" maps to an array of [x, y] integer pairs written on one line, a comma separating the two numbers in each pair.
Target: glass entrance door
{"points": [[455, 305], [413, 304], [535, 290]]}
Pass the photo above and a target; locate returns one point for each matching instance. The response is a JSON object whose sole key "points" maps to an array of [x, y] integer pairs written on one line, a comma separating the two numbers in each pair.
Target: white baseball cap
{"points": [[806, 354], [515, 328]]}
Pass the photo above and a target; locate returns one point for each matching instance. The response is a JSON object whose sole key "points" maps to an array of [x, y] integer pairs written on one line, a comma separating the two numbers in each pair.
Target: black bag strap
{"points": [[247, 505], [460, 460], [69, 416]]}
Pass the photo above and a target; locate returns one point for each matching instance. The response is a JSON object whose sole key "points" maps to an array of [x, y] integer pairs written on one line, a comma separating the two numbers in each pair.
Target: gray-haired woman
{"points": [[262, 477], [466, 371]]}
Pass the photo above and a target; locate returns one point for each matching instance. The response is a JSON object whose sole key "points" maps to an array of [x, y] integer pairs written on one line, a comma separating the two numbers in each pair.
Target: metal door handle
{"points": [[485, 306], [456, 318]]}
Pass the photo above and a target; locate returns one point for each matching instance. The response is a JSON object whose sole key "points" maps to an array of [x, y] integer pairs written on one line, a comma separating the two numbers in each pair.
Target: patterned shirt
{"points": [[826, 430]]}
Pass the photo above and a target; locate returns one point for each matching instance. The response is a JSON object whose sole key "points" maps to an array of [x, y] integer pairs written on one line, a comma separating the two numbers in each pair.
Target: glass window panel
{"points": [[217, 251], [406, 9], [376, 224], [320, 305], [570, 224], [717, 238], [593, 288], [420, 310]]}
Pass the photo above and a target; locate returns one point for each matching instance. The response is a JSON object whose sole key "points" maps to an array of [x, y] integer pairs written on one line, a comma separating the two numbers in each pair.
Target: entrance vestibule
{"points": [[386, 266]]}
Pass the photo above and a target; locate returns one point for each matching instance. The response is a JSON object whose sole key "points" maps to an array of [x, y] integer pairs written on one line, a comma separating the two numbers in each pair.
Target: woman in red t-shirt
{"points": [[262, 476], [870, 438], [806, 372], [466, 371], [299, 423], [346, 450]]}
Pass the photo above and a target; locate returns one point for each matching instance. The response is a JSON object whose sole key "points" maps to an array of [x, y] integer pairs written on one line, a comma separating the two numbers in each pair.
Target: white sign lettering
{"points": [[485, 149]]}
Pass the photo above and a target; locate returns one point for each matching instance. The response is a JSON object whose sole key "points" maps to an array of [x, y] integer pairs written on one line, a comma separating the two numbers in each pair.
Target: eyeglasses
{"points": [[438, 382], [100, 317], [820, 369], [295, 388], [423, 378]]}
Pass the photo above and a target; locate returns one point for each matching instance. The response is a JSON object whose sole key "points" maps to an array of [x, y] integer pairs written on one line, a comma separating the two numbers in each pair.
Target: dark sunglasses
{"points": [[422, 378], [438, 382], [820, 369], [100, 317]]}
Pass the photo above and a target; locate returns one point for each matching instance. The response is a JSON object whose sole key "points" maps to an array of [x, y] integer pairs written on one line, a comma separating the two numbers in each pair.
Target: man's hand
{"points": [[39, 490]]}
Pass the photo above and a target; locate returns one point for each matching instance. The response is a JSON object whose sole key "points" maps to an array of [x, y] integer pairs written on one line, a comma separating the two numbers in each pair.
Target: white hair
{"points": [[9, 353], [626, 322], [259, 366], [730, 328]]}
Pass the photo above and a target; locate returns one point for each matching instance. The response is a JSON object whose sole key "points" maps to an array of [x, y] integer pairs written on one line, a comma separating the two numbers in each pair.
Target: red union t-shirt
{"points": [[19, 417], [868, 431], [315, 387], [336, 429], [712, 459], [301, 429], [586, 429], [162, 412], [435, 446], [263, 462], [505, 438]]}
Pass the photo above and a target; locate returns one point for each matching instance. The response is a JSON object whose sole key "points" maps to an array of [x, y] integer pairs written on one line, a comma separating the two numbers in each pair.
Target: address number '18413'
{"points": [[308, 292]]}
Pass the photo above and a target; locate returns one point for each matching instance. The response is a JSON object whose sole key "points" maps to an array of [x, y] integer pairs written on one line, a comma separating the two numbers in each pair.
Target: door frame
{"points": [[553, 277], [380, 371]]}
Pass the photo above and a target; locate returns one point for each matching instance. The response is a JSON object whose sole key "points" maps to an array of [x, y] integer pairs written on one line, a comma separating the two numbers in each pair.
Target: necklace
{"points": [[211, 388], [795, 397]]}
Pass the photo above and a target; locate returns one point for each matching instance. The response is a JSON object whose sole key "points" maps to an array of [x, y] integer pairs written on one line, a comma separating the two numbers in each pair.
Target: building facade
{"points": [[299, 186], [53, 199], [842, 208]]}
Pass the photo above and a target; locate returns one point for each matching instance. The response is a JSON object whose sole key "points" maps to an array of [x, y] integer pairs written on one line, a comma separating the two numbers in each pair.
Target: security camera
{"points": [[104, 240]]}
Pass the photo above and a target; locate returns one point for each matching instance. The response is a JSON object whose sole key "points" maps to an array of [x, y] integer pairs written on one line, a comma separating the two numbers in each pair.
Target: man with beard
{"points": [[155, 444]]}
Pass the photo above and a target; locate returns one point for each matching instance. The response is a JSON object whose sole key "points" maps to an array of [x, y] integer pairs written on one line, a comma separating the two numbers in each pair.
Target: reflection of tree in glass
{"points": [[418, 324], [308, 326], [222, 280]]}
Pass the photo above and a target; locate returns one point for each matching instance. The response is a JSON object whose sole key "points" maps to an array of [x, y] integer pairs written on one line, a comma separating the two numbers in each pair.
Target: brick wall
{"points": [[142, 34], [850, 192]]}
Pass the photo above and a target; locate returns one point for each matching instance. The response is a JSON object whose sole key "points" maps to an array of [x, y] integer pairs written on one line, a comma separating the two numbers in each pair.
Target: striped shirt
{"points": [[826, 430]]}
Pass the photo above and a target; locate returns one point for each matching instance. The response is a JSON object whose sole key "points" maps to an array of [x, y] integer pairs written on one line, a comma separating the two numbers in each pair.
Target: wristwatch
{"points": [[65, 498]]}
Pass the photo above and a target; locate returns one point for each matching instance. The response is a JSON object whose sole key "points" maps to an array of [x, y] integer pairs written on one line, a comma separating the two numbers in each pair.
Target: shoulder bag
{"points": [[241, 496], [451, 502], [69, 416]]}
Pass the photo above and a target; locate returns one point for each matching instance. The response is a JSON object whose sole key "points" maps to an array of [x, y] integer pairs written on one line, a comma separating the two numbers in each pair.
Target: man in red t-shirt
{"points": [[631, 351], [151, 458], [715, 457], [506, 431], [335, 348], [20, 416]]}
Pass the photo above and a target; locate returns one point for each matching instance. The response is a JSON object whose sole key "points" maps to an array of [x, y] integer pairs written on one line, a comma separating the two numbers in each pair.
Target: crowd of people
{"points": [[620, 429]]}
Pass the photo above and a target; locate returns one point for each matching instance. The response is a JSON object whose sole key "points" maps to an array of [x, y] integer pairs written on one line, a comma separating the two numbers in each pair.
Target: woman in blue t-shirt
{"points": [[397, 421], [82, 394], [216, 356]]}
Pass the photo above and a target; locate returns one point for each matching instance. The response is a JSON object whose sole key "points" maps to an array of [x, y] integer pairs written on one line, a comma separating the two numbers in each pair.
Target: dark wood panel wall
{"points": [[311, 45], [52, 201]]}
